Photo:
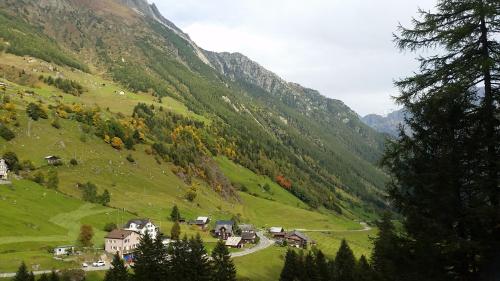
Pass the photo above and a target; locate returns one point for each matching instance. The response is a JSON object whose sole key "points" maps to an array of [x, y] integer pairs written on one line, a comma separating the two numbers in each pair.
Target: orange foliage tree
{"points": [[284, 182]]}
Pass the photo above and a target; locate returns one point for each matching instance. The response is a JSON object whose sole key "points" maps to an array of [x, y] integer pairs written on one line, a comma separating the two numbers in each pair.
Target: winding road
{"points": [[264, 243]]}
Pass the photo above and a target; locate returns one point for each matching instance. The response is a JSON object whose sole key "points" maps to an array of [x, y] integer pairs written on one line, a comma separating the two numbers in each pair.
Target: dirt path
{"points": [[365, 226]]}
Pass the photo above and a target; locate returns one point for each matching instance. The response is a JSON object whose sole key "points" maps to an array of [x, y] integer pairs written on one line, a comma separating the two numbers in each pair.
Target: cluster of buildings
{"points": [[292, 238], [126, 240]]}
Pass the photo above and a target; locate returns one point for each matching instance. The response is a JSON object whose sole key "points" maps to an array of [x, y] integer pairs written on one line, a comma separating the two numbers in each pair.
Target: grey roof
{"points": [[298, 234], [246, 227], [248, 235], [228, 225], [140, 222]]}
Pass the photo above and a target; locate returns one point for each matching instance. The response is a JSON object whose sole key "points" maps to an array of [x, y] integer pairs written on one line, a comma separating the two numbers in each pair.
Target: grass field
{"points": [[36, 218]]}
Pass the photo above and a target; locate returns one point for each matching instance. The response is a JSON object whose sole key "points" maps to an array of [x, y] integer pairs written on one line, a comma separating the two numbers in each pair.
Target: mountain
{"points": [[316, 147], [386, 124]]}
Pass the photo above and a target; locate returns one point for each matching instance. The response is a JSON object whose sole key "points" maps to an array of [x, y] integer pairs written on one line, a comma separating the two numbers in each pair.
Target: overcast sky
{"points": [[343, 48]]}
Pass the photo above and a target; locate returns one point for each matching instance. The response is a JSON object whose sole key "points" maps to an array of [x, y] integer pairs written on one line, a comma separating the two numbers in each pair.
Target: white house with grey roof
{"points": [[142, 226]]}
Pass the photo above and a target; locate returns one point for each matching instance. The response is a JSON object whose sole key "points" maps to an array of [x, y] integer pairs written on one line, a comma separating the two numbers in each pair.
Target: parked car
{"points": [[85, 264], [99, 264]]}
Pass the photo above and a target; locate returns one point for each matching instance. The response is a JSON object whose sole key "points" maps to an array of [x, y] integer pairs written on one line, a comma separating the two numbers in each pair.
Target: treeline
{"points": [[314, 266], [68, 86], [184, 259], [385, 263], [25, 40]]}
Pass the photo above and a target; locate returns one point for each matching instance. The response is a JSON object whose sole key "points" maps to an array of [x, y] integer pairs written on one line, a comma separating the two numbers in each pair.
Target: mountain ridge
{"points": [[295, 132]]}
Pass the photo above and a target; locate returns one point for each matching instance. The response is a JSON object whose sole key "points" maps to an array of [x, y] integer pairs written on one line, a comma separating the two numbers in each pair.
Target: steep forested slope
{"points": [[317, 148]]}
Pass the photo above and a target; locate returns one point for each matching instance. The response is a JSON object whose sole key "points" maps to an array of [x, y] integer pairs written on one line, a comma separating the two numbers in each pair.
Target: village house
{"points": [[142, 226], [64, 250], [223, 229], [277, 232], [121, 241], [297, 239], [201, 222], [4, 170], [248, 234], [53, 160], [234, 242]]}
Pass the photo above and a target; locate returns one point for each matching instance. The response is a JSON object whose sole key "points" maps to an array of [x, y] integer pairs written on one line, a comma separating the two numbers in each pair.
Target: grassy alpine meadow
{"points": [[38, 219]]}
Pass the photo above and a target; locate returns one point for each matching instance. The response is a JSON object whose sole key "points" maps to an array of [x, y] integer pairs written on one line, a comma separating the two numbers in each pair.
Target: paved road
{"points": [[264, 243]]}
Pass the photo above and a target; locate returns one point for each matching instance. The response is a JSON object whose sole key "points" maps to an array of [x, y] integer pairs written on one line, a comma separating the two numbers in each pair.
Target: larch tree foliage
{"points": [[445, 174]]}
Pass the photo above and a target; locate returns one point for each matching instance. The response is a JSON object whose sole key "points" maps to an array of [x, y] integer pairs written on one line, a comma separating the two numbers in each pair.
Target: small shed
{"points": [[201, 222], [277, 232], [53, 160], [64, 250], [234, 242]]}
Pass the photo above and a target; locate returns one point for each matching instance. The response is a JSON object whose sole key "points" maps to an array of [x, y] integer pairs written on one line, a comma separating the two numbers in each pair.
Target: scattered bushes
{"points": [[6, 133], [89, 194], [191, 194], [130, 158], [110, 226], [73, 162], [35, 112], [68, 86]]}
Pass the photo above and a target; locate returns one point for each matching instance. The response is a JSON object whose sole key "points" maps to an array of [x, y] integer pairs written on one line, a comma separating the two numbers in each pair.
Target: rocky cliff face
{"points": [[388, 124]]}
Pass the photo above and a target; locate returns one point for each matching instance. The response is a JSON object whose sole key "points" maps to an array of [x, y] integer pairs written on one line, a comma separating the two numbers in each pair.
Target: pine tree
{"points": [[118, 271], [32, 276], [22, 273], [54, 276], [288, 271], [364, 271], [385, 254], [310, 268], [345, 263], [44, 277], [322, 266], [198, 261], [175, 215], [222, 266], [446, 175], [179, 259], [175, 232], [149, 263]]}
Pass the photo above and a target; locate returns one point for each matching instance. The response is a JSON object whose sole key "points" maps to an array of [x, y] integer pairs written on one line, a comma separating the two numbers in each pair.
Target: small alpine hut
{"points": [[53, 160]]}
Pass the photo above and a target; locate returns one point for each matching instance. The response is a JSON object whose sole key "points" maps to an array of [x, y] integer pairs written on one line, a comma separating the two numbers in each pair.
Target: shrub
{"points": [[39, 178], [191, 195], [130, 158], [27, 165], [117, 143], [12, 161], [73, 162], [52, 180], [110, 226], [6, 133], [35, 112], [55, 123]]}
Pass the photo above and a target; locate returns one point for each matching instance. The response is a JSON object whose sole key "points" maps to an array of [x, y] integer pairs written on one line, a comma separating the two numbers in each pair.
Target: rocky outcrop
{"points": [[386, 124]]}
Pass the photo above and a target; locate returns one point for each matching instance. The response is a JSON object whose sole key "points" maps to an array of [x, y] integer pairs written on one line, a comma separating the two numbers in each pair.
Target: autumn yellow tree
{"points": [[117, 143]]}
